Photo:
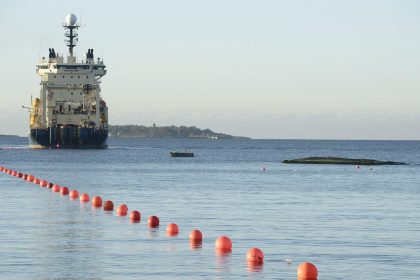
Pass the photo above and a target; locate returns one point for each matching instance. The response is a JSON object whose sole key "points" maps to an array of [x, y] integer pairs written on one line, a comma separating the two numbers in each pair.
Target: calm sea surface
{"points": [[352, 223]]}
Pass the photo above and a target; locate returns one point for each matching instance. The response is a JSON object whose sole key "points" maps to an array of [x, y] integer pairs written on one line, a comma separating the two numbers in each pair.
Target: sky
{"points": [[263, 69]]}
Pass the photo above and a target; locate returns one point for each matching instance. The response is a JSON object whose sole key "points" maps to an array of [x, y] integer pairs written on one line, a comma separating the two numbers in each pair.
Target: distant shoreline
{"points": [[141, 131], [6, 135], [246, 138]]}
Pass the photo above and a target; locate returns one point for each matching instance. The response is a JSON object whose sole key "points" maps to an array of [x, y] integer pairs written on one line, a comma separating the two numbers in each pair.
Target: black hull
{"points": [[70, 137]]}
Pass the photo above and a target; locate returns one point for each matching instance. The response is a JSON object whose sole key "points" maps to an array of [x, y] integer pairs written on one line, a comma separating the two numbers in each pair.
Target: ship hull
{"points": [[70, 137]]}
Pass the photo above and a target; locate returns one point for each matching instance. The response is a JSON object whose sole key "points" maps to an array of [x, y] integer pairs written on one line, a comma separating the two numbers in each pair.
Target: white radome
{"points": [[71, 19]]}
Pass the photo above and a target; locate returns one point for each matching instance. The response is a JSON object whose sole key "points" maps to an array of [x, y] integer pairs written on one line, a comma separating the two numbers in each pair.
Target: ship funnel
{"points": [[89, 55]]}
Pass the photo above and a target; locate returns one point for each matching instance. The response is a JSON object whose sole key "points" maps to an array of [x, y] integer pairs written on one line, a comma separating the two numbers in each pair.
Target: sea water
{"points": [[352, 223]]}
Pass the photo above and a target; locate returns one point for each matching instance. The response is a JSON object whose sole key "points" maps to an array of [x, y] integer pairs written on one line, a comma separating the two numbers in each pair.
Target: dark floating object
{"points": [[337, 160], [181, 154]]}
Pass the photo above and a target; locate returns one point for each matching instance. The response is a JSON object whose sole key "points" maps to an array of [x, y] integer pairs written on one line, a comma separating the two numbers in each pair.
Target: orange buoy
{"points": [[25, 176], [20, 175], [64, 191], [307, 271], [153, 221], [30, 178], [43, 183], [172, 229], [14, 173], [74, 194], [255, 256], [56, 188], [1, 168], [96, 201], [135, 216], [108, 205], [37, 181], [122, 210], [84, 197], [196, 235], [223, 243]]}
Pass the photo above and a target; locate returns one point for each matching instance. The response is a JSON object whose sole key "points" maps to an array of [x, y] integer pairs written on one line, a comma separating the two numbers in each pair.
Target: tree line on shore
{"points": [[165, 132]]}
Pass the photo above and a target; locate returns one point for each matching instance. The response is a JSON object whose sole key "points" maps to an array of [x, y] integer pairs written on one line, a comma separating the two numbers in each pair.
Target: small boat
{"points": [[181, 154]]}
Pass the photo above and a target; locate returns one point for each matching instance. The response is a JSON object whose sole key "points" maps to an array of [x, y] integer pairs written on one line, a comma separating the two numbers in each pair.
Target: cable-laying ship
{"points": [[69, 112]]}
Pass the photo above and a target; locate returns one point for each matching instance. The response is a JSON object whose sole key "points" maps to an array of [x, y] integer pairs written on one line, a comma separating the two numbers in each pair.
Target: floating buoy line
{"points": [[223, 244]]}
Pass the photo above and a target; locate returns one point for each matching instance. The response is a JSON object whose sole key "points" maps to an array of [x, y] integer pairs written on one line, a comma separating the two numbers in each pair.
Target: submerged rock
{"points": [[337, 160]]}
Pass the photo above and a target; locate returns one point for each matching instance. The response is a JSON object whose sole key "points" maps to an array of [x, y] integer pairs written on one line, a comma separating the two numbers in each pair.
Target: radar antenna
{"points": [[71, 26]]}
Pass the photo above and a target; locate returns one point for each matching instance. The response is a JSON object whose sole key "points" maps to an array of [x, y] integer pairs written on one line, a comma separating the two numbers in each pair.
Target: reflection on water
{"points": [[254, 267], [223, 252], [171, 234], [223, 259], [196, 244], [172, 247], [153, 232]]}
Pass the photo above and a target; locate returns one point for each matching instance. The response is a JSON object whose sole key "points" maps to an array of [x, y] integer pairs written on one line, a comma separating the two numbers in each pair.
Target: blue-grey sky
{"points": [[264, 69]]}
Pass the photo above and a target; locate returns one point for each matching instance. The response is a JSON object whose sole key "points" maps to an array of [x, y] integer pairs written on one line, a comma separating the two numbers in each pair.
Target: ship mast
{"points": [[70, 26]]}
